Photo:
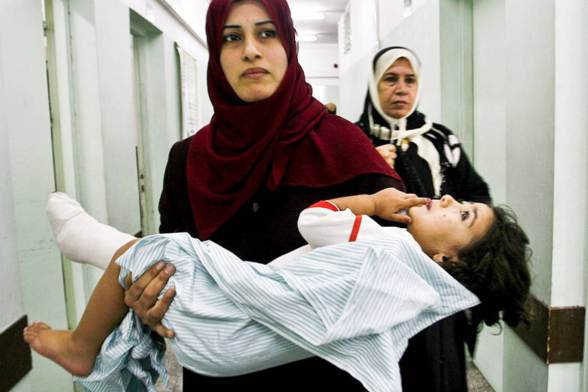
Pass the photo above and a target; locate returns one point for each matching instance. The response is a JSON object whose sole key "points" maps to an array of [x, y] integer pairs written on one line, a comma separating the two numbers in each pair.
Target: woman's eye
{"points": [[410, 80], [232, 37], [391, 79], [268, 34], [465, 215]]}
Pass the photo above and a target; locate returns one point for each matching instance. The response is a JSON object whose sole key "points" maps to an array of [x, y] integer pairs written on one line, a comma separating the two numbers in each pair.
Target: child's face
{"points": [[445, 226]]}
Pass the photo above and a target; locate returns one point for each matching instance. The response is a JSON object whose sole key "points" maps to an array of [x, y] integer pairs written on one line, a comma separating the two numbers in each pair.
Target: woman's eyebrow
{"points": [[264, 22], [475, 217], [235, 26], [397, 74]]}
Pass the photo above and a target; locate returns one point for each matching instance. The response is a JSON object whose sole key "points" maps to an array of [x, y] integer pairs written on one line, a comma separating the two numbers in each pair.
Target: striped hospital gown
{"points": [[354, 304]]}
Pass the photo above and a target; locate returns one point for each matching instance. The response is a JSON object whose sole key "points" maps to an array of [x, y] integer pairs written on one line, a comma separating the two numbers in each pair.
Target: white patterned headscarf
{"points": [[397, 126]]}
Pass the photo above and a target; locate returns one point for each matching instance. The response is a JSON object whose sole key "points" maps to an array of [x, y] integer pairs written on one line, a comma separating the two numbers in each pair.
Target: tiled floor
{"points": [[476, 382], [175, 375]]}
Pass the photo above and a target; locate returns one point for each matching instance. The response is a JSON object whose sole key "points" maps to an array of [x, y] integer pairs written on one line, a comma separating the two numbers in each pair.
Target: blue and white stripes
{"points": [[354, 304]]}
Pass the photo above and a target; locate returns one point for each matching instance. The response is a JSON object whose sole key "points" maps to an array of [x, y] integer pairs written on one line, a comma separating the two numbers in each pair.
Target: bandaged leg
{"points": [[79, 236]]}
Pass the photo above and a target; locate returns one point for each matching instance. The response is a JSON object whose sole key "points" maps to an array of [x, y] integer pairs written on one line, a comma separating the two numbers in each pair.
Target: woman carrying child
{"points": [[386, 287]]}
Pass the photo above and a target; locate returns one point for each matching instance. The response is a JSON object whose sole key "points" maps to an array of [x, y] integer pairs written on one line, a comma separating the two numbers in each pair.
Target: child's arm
{"points": [[385, 204], [343, 219]]}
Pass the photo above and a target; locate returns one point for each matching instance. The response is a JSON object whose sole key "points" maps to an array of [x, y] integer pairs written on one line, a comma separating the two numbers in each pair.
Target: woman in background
{"points": [[431, 162], [428, 156]]}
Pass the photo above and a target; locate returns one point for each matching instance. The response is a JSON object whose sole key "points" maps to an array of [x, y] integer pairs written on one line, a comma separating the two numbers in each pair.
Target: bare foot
{"points": [[59, 347]]}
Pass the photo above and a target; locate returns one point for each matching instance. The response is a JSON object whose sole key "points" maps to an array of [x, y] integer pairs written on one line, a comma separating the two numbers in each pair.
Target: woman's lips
{"points": [[255, 73]]}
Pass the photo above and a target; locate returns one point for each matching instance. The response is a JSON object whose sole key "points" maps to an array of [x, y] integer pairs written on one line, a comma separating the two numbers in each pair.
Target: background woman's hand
{"points": [[388, 152], [390, 202], [141, 296], [331, 108]]}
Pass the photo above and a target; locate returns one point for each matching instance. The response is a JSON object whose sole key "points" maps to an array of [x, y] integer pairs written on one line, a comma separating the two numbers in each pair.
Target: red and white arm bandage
{"points": [[324, 224]]}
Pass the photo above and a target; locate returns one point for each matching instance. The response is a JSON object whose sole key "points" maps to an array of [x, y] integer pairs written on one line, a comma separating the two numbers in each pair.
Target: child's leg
{"points": [[79, 236], [76, 350]]}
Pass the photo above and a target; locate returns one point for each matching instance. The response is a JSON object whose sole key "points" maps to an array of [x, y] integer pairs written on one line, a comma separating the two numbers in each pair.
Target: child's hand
{"points": [[389, 203]]}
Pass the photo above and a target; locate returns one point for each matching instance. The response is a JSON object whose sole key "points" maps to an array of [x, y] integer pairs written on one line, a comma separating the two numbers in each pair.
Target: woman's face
{"points": [[252, 56], [445, 226], [397, 89]]}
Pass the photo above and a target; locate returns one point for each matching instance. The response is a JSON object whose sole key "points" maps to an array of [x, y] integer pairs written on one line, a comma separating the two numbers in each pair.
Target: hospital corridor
{"points": [[212, 117]]}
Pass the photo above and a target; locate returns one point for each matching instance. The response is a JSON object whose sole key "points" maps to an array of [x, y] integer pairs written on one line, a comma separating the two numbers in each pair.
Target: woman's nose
{"points": [[446, 201], [401, 88], [401, 91], [250, 50]]}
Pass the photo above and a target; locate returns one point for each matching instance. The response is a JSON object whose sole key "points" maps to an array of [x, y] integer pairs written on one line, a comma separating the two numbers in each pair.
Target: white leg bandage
{"points": [[79, 236]]}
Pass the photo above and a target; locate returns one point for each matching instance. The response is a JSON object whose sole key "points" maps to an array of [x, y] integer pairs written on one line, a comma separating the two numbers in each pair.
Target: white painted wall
{"points": [[11, 306], [514, 118], [391, 13], [490, 143], [115, 94], [489, 94], [529, 103], [531, 98], [24, 101], [319, 60], [320, 63], [10, 302], [194, 12], [530, 118], [568, 286], [354, 66], [456, 48], [571, 129]]}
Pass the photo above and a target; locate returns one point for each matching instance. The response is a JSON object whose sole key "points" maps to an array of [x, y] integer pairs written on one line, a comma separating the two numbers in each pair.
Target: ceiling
{"points": [[326, 29]]}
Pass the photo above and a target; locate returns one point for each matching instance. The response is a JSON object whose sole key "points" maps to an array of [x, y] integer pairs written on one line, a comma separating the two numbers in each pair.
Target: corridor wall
{"points": [[81, 136], [531, 99], [15, 357], [26, 129]]}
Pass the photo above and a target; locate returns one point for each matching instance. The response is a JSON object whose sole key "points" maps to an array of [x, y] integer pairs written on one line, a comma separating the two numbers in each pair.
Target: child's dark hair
{"points": [[496, 269]]}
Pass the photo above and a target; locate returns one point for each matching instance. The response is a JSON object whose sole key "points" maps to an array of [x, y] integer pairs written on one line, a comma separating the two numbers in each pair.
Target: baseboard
{"points": [[15, 355]]}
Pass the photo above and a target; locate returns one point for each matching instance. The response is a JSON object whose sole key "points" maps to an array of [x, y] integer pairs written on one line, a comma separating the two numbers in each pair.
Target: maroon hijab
{"points": [[286, 139]]}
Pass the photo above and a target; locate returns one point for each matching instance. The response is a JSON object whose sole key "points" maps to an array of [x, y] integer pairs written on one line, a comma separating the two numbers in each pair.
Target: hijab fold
{"points": [[286, 139]]}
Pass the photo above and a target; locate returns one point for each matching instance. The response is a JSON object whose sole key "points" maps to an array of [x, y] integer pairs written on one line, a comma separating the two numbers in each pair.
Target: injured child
{"points": [[353, 296]]}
